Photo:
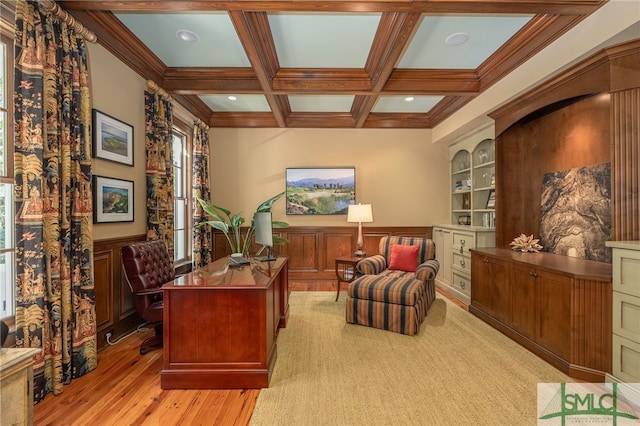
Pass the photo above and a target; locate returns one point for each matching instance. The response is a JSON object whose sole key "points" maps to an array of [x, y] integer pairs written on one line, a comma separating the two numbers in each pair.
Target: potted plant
{"points": [[230, 225]]}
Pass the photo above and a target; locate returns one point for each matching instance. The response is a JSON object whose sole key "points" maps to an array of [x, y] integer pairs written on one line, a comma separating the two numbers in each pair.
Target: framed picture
{"points": [[112, 200], [491, 201], [320, 191], [112, 139]]}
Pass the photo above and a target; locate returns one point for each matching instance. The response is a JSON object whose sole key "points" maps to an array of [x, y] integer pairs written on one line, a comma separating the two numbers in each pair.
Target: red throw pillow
{"points": [[404, 258]]}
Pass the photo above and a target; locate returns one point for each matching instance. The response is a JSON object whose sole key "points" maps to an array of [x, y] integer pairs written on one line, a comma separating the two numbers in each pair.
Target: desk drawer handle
{"points": [[462, 262], [462, 284]]}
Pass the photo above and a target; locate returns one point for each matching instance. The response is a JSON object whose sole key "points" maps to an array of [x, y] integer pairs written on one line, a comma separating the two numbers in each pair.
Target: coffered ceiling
{"points": [[339, 64]]}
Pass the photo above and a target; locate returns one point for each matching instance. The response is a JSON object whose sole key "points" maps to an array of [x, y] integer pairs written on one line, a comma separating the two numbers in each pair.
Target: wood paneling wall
{"points": [[625, 179], [311, 252], [587, 115], [115, 310]]}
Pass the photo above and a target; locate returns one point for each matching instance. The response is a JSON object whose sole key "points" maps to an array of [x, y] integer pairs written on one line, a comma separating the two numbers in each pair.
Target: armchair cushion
{"points": [[403, 257]]}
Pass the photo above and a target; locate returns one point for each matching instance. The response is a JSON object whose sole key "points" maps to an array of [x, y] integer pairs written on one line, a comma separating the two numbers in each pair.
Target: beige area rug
{"points": [[456, 371]]}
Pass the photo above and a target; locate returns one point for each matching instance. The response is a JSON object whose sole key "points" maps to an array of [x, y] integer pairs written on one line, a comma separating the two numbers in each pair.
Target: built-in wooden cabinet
{"points": [[473, 186], [558, 307], [453, 245]]}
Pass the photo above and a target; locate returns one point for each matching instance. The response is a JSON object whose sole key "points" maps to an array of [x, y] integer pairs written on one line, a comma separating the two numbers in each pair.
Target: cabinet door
{"points": [[523, 300], [553, 321], [490, 286], [442, 240]]}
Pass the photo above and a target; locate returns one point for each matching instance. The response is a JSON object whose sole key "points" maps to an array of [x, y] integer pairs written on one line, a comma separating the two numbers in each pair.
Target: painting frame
{"points": [[319, 190], [112, 138], [103, 190]]}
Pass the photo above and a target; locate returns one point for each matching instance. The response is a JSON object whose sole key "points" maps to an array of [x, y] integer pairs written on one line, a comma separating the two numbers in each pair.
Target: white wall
{"points": [[119, 92], [400, 172]]}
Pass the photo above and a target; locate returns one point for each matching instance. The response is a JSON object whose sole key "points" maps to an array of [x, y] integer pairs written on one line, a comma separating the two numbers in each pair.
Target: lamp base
{"points": [[359, 253]]}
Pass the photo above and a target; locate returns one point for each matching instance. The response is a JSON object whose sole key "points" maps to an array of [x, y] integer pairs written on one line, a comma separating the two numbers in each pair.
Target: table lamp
{"points": [[359, 213]]}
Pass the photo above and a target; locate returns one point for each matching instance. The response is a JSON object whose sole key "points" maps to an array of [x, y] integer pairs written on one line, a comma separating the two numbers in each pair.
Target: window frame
{"points": [[183, 131], [7, 28]]}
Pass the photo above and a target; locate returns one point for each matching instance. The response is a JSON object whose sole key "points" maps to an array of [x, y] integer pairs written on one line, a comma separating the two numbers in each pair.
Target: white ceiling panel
{"points": [[320, 103], [219, 45], [248, 103], [393, 104], [323, 40], [486, 34]]}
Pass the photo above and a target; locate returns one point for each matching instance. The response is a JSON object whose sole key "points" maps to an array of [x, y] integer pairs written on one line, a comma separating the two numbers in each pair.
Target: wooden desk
{"points": [[221, 324]]}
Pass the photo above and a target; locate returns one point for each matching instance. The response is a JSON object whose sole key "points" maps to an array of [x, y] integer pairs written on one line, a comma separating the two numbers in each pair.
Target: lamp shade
{"points": [[360, 213]]}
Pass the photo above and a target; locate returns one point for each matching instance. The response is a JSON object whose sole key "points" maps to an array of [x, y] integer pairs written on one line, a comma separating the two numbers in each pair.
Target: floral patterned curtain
{"points": [[201, 235], [159, 148], [55, 307]]}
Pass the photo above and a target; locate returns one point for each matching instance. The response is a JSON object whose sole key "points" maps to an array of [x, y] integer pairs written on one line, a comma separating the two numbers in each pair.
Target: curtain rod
{"points": [[53, 7], [153, 87]]}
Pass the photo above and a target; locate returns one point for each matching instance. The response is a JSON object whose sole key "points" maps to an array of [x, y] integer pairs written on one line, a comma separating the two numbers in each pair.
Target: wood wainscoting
{"points": [[115, 309], [311, 252]]}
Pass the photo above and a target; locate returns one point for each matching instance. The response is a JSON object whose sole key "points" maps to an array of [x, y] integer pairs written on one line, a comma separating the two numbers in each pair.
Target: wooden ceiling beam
{"points": [[207, 80], [433, 82], [565, 7], [255, 35]]}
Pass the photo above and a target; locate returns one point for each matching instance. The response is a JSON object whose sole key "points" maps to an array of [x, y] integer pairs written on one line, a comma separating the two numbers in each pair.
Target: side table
{"points": [[346, 270]]}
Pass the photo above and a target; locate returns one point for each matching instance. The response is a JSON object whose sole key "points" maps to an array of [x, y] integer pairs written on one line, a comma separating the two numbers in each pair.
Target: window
{"points": [[182, 252], [7, 240]]}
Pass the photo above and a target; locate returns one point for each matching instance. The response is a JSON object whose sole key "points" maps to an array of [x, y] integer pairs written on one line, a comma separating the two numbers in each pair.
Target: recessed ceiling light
{"points": [[409, 99], [187, 36], [456, 39], [232, 98]]}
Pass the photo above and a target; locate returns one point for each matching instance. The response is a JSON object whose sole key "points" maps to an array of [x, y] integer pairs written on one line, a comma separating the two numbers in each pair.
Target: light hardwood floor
{"points": [[125, 390]]}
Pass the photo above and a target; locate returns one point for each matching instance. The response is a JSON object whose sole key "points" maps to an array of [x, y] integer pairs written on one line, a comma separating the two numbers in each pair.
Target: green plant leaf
{"points": [[265, 206], [219, 225]]}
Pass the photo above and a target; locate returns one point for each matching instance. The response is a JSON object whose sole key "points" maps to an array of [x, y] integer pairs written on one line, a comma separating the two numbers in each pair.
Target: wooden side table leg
{"points": [[338, 292]]}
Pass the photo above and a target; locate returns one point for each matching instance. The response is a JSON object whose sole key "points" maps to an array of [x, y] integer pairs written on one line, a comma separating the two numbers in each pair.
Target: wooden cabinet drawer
{"points": [[626, 316], [626, 359], [626, 271], [461, 283], [461, 262], [463, 242]]}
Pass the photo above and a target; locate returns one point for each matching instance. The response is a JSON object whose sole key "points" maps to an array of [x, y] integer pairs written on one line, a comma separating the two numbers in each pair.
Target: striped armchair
{"points": [[396, 287]]}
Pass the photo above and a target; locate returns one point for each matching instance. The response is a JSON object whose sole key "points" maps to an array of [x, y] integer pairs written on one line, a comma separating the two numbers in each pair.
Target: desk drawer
{"points": [[464, 241], [626, 271], [462, 262], [626, 359], [461, 283], [626, 316]]}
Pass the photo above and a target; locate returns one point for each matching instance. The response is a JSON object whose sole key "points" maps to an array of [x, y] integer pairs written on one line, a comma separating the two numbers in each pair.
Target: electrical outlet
{"points": [[108, 335]]}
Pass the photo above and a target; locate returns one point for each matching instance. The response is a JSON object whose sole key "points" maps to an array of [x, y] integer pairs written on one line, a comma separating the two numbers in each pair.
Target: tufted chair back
{"points": [[147, 267]]}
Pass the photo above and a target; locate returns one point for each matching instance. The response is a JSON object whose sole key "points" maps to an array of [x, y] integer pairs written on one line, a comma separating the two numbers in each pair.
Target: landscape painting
{"points": [[112, 139], [321, 191], [113, 200]]}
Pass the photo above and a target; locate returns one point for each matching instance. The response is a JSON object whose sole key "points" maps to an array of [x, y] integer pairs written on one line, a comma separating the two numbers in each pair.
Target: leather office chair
{"points": [[147, 266]]}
